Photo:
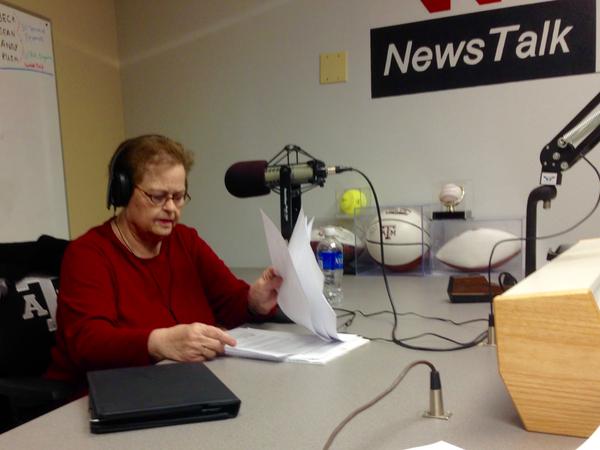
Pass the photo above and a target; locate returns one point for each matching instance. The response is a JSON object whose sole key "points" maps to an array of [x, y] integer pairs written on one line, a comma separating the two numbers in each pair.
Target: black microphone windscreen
{"points": [[247, 179]]}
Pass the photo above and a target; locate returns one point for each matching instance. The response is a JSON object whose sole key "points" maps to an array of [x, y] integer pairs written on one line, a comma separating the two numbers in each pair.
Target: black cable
{"points": [[410, 313], [480, 338], [506, 280], [422, 316], [346, 313], [387, 286]]}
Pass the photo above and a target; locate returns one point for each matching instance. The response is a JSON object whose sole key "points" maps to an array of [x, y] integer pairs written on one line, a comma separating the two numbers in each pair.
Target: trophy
{"points": [[450, 196]]}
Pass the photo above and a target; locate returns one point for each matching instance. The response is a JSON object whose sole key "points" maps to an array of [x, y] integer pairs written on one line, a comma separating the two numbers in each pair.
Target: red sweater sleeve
{"points": [[89, 334]]}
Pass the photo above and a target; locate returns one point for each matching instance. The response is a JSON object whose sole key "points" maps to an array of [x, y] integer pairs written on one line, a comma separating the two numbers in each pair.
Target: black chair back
{"points": [[29, 282]]}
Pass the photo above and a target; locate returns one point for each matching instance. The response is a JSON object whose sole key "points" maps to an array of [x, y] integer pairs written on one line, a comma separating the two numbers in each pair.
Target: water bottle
{"points": [[330, 254]]}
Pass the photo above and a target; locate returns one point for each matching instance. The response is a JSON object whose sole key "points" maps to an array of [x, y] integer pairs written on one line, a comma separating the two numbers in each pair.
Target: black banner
{"points": [[540, 40]]}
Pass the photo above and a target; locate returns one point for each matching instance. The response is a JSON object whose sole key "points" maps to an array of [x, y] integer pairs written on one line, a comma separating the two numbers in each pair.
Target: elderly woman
{"points": [[141, 287]]}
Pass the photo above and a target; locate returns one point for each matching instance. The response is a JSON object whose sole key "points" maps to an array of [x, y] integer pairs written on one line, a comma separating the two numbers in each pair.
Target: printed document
{"points": [[290, 347]]}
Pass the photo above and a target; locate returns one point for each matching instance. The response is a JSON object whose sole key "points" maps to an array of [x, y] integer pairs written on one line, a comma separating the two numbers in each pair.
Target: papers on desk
{"points": [[301, 299], [290, 347], [301, 294]]}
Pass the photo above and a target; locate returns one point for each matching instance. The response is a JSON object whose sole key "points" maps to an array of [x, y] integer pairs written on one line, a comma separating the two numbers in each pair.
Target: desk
{"points": [[296, 406]]}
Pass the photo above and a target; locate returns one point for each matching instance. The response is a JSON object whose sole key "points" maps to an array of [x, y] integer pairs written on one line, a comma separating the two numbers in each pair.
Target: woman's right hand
{"points": [[188, 342]]}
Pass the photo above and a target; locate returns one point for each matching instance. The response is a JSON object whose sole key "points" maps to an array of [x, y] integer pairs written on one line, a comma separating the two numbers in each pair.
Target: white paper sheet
{"points": [[311, 277], [440, 445], [301, 294], [290, 347]]}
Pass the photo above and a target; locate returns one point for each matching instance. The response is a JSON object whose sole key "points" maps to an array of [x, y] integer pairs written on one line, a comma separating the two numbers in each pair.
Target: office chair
{"points": [[28, 283]]}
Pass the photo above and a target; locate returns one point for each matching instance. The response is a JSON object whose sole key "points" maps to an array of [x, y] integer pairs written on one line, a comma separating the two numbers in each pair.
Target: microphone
{"points": [[254, 178]]}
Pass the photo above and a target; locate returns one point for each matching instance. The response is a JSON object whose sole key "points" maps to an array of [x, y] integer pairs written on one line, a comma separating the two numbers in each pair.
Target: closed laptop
{"points": [[151, 396]]}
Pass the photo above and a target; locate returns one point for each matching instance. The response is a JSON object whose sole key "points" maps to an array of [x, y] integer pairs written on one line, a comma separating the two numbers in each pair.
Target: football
{"points": [[406, 239], [352, 244], [470, 251]]}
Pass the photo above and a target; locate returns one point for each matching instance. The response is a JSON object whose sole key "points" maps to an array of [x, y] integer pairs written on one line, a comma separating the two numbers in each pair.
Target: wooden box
{"points": [[548, 336]]}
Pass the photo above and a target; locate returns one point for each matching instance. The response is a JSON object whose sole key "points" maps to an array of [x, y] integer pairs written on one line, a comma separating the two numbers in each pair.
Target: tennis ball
{"points": [[352, 201]]}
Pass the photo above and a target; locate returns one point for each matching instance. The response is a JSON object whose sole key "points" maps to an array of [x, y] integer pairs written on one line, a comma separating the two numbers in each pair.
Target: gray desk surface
{"points": [[296, 406]]}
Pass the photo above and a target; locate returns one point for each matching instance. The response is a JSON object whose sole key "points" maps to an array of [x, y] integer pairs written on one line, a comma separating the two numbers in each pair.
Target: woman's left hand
{"points": [[262, 296]]}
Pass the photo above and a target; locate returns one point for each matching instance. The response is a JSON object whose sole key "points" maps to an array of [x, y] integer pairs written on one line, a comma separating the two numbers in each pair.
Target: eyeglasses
{"points": [[179, 198]]}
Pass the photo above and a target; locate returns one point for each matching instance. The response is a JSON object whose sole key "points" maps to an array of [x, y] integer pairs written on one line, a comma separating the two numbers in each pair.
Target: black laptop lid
{"points": [[139, 397]]}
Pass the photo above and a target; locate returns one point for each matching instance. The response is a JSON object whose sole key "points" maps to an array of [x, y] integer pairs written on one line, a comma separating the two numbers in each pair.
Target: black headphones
{"points": [[120, 178]]}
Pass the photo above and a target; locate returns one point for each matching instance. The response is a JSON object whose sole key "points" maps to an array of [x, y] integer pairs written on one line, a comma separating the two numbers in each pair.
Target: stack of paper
{"points": [[290, 347], [301, 299], [301, 295]]}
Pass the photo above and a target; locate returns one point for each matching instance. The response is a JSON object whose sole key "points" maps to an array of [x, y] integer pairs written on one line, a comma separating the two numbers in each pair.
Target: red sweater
{"points": [[109, 300]]}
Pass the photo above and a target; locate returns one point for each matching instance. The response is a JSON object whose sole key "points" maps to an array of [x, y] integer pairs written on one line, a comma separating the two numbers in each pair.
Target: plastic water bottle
{"points": [[330, 254]]}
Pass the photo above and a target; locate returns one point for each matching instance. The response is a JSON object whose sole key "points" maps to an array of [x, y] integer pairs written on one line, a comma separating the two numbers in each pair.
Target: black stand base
{"points": [[445, 215]]}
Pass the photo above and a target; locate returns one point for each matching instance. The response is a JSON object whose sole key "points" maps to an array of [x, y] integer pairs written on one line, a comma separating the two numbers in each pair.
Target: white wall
{"points": [[239, 80]]}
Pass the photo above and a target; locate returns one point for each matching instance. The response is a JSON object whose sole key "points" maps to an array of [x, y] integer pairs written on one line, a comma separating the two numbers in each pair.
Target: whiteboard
{"points": [[32, 183]]}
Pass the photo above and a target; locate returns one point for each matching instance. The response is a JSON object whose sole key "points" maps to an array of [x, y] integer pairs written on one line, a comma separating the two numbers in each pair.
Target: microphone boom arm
{"points": [[575, 140]]}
